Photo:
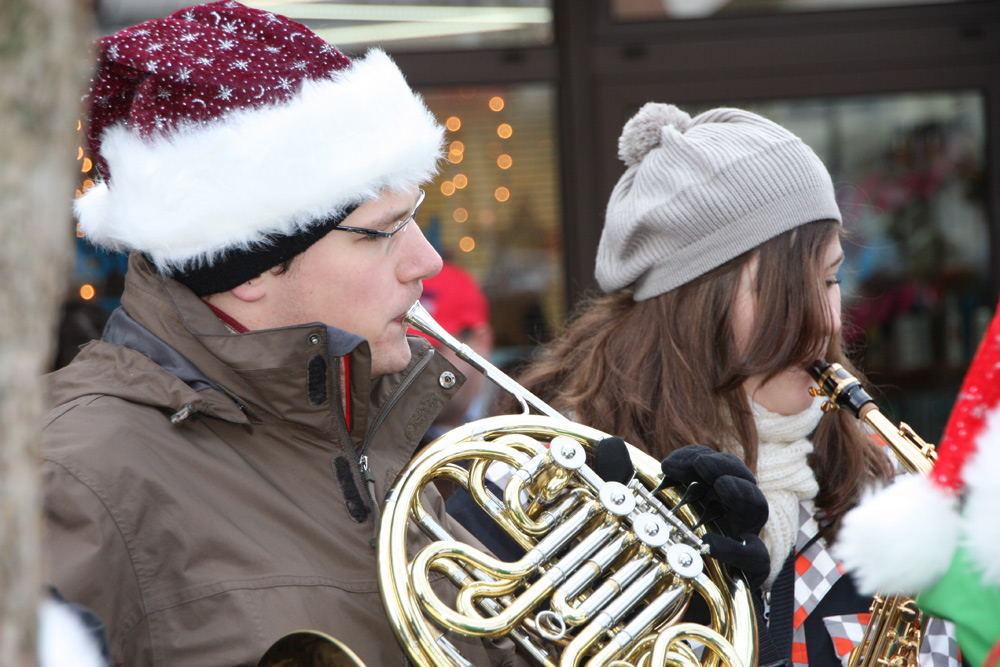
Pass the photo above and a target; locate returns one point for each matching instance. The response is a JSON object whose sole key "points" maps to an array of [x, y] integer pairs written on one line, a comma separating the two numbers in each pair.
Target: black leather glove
{"points": [[732, 502]]}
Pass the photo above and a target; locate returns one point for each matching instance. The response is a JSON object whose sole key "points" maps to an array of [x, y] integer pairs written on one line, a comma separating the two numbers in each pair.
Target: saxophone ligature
{"points": [[609, 568], [895, 629]]}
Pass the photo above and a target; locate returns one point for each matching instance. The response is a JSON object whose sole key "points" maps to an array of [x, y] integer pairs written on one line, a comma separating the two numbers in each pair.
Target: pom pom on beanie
{"points": [[643, 132]]}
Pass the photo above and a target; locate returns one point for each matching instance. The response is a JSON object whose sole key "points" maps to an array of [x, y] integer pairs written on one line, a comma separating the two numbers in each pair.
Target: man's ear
{"points": [[252, 290]]}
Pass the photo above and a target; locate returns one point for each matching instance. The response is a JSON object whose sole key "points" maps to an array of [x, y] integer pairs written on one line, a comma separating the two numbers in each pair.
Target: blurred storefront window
{"points": [[411, 25], [911, 176], [495, 207], [644, 10]]}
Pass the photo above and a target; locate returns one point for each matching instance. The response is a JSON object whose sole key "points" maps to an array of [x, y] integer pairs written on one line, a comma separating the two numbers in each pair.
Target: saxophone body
{"points": [[895, 629]]}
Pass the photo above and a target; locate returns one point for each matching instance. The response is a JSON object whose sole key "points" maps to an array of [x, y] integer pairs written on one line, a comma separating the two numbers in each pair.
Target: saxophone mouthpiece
{"points": [[817, 368], [836, 383]]}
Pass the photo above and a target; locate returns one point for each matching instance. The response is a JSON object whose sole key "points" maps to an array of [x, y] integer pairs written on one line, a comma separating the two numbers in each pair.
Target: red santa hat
{"points": [[902, 538], [229, 139]]}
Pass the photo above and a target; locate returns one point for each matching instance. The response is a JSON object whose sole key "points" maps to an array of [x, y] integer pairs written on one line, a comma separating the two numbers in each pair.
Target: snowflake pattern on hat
{"points": [[200, 63]]}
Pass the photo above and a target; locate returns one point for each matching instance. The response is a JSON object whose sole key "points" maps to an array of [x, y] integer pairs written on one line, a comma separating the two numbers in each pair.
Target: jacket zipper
{"points": [[370, 492], [345, 435], [364, 472]]}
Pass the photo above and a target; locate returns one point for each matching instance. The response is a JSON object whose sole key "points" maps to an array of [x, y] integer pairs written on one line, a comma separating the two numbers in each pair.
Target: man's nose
{"points": [[419, 260]]}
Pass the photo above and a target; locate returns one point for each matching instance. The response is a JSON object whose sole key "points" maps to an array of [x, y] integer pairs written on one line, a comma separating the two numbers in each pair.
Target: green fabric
{"points": [[961, 597]]}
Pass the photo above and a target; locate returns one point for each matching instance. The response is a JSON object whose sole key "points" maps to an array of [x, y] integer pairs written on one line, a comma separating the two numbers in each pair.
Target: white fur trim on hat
{"points": [[899, 539], [980, 526], [187, 197]]}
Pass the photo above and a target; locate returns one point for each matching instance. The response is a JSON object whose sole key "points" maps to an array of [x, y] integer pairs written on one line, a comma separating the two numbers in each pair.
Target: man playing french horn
{"points": [[214, 466]]}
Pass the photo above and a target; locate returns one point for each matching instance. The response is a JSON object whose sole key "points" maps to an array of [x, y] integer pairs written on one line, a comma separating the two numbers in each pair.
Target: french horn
{"points": [[610, 568]]}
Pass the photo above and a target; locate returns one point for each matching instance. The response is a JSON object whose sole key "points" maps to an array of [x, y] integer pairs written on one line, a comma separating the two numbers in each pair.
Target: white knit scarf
{"points": [[784, 476]]}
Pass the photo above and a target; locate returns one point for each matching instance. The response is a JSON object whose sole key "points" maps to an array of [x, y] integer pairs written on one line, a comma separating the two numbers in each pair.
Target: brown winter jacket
{"points": [[203, 493]]}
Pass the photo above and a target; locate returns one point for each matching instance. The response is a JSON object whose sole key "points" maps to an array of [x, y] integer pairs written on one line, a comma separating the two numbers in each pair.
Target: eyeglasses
{"points": [[397, 227]]}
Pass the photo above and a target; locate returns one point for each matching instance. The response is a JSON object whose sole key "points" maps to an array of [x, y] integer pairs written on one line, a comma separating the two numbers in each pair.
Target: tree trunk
{"points": [[44, 61]]}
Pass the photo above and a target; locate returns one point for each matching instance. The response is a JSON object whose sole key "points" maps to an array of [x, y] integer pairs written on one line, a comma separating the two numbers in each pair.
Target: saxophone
{"points": [[894, 631]]}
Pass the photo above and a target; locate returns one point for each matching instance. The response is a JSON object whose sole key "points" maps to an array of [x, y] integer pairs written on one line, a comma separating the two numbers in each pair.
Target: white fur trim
{"points": [[981, 528], [188, 197], [63, 641], [899, 539]]}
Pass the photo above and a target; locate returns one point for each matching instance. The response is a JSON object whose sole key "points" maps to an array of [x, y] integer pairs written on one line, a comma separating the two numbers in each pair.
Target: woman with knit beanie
{"points": [[719, 264]]}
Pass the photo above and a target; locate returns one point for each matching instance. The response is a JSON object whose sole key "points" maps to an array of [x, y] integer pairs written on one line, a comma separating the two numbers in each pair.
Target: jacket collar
{"points": [[293, 374]]}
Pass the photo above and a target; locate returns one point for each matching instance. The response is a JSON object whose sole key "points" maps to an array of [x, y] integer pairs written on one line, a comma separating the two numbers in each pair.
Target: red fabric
{"points": [[455, 301], [200, 64], [799, 653], [842, 645], [236, 326], [345, 394], [979, 395]]}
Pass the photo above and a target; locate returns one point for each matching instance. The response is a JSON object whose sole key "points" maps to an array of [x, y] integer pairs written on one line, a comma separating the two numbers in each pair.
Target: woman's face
{"points": [[788, 392]]}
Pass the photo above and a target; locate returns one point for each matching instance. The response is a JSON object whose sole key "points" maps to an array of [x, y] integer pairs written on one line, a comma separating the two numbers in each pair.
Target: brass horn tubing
{"points": [[549, 483], [498, 511], [512, 496], [412, 630], [443, 462], [418, 318], [681, 631], [641, 625], [495, 508], [546, 519], [471, 594], [581, 612], [493, 607], [681, 655], [520, 569], [716, 601], [569, 528], [557, 572], [533, 560], [644, 621], [551, 517], [444, 616], [610, 616]]}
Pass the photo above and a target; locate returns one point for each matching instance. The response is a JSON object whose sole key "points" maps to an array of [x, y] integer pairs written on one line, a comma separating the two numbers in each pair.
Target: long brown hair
{"points": [[665, 372]]}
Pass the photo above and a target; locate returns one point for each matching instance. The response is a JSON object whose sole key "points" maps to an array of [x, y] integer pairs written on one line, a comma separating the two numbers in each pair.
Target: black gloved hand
{"points": [[731, 499]]}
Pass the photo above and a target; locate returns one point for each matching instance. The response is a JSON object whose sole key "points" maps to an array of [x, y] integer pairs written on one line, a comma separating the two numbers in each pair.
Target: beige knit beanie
{"points": [[699, 192]]}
